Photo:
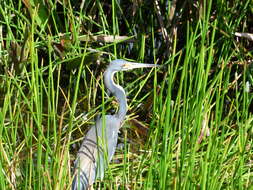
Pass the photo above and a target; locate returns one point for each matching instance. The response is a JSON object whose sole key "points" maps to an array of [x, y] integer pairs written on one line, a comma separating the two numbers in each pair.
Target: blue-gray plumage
{"points": [[100, 142]]}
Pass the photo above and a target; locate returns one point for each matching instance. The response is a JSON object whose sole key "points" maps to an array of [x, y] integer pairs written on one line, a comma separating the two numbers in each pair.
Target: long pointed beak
{"points": [[132, 65]]}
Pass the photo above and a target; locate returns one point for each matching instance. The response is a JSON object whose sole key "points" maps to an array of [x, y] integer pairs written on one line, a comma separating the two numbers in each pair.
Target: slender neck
{"points": [[118, 92]]}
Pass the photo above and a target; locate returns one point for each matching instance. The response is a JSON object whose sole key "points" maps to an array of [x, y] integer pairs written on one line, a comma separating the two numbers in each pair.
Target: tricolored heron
{"points": [[100, 142]]}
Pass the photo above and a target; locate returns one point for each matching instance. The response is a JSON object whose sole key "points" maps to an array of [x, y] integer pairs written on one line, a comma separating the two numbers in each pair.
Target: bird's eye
{"points": [[124, 66]]}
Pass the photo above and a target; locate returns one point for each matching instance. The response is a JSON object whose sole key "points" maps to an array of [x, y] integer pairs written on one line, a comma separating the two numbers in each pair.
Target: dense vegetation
{"points": [[189, 124]]}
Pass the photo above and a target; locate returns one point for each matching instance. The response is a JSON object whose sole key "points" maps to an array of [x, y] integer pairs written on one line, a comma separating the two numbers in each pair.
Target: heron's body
{"points": [[101, 140], [90, 158]]}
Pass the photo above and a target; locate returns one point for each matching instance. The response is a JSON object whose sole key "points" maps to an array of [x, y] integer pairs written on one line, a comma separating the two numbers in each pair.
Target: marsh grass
{"points": [[189, 124]]}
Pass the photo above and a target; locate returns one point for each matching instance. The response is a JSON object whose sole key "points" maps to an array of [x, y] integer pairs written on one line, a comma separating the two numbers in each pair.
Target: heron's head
{"points": [[122, 65]]}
